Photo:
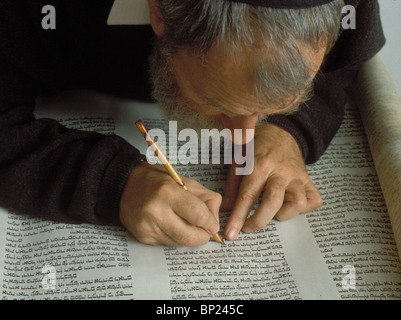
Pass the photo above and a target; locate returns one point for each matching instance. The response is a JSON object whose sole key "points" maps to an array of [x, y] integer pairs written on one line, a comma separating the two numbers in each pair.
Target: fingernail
{"points": [[232, 234], [214, 228]]}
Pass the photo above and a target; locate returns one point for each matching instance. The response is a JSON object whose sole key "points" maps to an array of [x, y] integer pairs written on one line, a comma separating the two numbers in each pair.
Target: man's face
{"points": [[214, 92]]}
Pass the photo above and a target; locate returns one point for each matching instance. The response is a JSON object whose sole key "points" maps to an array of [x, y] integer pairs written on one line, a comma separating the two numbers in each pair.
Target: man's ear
{"points": [[156, 18]]}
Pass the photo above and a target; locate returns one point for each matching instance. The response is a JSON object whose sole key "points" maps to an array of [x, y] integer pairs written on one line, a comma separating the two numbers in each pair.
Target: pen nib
{"points": [[217, 238]]}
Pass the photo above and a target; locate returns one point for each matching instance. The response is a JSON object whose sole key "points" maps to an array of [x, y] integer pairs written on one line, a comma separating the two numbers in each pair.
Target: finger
{"points": [[194, 211], [161, 225], [314, 198], [174, 236], [178, 232], [295, 202], [231, 189], [161, 239], [148, 232], [213, 205], [210, 198], [248, 194], [272, 201]]}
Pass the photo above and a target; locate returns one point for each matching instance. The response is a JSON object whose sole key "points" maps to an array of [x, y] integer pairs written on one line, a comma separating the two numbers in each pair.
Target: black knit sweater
{"points": [[49, 171]]}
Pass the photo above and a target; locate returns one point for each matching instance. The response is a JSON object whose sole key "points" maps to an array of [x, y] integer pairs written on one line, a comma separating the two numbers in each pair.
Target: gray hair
{"points": [[198, 25]]}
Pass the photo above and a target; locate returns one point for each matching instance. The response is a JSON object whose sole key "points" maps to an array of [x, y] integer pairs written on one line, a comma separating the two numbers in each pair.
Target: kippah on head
{"points": [[285, 4]]}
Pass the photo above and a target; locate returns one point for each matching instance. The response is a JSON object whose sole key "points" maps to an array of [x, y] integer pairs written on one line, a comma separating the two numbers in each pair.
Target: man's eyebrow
{"points": [[294, 108], [213, 104], [216, 106], [288, 111]]}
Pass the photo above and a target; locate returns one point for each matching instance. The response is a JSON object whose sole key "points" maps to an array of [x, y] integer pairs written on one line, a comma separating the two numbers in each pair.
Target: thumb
{"points": [[211, 199], [214, 207]]}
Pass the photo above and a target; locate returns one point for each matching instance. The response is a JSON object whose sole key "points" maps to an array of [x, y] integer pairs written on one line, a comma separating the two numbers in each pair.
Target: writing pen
{"points": [[167, 165]]}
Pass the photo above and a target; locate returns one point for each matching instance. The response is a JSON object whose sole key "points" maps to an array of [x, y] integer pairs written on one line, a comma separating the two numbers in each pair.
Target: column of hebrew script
{"points": [[353, 227], [88, 262]]}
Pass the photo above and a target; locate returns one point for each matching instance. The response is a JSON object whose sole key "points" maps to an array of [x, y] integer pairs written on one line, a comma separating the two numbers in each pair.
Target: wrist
{"points": [[277, 137]]}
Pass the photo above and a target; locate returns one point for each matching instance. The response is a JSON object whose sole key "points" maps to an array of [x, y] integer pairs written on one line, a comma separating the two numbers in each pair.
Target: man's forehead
{"points": [[226, 86], [285, 4], [221, 69], [225, 81]]}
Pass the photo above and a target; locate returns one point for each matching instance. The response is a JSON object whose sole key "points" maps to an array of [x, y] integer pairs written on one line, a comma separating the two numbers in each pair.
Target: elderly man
{"points": [[245, 64]]}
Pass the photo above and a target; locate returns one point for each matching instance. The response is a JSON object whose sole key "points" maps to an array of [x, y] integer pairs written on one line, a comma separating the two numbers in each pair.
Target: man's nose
{"points": [[240, 123]]}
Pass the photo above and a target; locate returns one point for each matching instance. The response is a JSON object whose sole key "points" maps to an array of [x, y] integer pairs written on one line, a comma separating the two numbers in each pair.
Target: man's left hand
{"points": [[280, 174]]}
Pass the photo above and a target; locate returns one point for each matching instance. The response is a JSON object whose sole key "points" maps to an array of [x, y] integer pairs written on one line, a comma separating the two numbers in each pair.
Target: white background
{"points": [[391, 53]]}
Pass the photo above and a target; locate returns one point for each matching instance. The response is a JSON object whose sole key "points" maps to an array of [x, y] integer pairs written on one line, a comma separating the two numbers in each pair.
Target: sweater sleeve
{"points": [[317, 121], [47, 170]]}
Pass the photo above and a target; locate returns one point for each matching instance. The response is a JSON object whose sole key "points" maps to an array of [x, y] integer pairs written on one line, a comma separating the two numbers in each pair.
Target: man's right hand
{"points": [[156, 210]]}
